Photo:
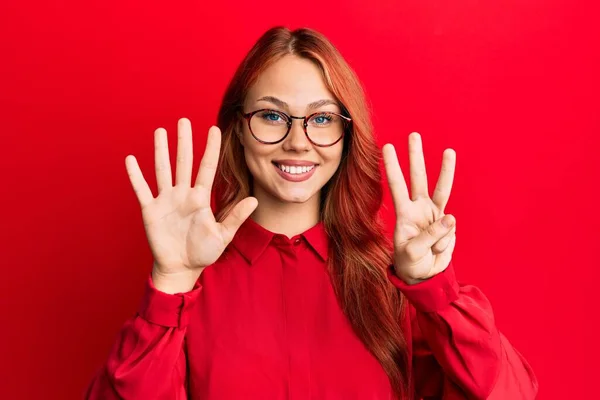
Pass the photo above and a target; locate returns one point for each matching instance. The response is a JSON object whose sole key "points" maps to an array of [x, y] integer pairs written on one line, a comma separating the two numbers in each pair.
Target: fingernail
{"points": [[447, 221]]}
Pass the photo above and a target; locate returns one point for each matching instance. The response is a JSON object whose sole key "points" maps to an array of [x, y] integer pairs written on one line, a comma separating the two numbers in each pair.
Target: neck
{"points": [[286, 218]]}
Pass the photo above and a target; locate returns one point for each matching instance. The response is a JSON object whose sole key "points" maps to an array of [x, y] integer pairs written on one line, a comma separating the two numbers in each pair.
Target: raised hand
{"points": [[183, 234], [424, 237]]}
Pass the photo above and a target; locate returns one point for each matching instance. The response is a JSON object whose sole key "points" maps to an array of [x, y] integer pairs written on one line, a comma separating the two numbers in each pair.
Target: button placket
{"points": [[295, 322]]}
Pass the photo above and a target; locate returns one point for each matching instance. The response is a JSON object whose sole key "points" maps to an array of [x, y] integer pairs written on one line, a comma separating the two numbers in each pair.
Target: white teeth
{"points": [[295, 169]]}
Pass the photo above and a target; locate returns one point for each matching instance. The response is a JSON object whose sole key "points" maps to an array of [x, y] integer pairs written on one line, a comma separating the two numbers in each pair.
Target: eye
{"points": [[271, 117], [321, 119]]}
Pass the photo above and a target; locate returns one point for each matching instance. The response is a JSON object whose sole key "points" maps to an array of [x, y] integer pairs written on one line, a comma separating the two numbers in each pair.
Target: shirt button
{"points": [[297, 242]]}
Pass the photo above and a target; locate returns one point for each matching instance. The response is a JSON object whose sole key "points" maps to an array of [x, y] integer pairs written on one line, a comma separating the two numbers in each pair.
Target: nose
{"points": [[296, 139]]}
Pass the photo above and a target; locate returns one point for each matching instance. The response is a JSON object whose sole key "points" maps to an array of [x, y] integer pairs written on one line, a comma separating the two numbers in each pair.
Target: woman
{"points": [[291, 290]]}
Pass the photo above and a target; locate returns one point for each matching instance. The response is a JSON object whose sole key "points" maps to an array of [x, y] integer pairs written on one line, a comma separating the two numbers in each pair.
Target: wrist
{"points": [[179, 282], [406, 279]]}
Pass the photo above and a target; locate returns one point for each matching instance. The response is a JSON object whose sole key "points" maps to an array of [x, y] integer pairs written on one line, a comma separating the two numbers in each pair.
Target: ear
{"points": [[239, 132]]}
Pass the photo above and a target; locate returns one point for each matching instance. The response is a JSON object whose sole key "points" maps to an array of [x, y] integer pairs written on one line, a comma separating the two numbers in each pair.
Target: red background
{"points": [[512, 87]]}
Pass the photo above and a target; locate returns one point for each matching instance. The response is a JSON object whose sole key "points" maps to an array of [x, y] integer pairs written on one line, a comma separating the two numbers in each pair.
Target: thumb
{"points": [[420, 245], [236, 217]]}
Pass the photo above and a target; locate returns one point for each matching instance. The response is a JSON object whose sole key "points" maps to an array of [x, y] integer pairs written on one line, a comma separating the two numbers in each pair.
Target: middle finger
{"points": [[418, 174], [184, 153]]}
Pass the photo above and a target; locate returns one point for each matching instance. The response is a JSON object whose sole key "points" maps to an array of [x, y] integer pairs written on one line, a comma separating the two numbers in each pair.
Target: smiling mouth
{"points": [[295, 173], [295, 169]]}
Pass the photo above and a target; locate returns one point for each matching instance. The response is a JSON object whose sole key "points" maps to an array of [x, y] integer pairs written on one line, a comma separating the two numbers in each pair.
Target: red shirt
{"points": [[263, 322]]}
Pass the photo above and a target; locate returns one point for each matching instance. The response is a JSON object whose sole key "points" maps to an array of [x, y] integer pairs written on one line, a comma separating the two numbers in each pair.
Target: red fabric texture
{"points": [[263, 322]]}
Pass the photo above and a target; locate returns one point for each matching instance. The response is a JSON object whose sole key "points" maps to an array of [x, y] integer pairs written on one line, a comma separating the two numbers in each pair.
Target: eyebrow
{"points": [[311, 106]]}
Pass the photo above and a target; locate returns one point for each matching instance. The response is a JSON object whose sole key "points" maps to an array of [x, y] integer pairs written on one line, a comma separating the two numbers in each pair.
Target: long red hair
{"points": [[350, 201]]}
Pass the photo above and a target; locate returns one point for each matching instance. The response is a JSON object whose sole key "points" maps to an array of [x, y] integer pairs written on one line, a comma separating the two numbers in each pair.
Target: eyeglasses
{"points": [[323, 128]]}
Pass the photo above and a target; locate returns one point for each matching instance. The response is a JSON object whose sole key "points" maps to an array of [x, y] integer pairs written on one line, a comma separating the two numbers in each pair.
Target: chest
{"points": [[277, 332]]}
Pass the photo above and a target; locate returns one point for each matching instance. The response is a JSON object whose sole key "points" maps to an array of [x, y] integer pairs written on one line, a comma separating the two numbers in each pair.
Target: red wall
{"points": [[511, 86]]}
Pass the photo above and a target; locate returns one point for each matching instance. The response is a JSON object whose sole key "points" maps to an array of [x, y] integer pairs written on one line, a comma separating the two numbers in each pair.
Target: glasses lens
{"points": [[325, 128], [269, 125]]}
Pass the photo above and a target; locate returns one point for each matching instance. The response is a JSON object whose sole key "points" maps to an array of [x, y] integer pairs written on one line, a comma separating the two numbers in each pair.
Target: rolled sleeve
{"points": [[169, 310], [431, 295]]}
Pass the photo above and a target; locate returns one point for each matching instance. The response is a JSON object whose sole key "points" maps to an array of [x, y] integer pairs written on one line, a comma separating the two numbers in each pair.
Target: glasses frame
{"points": [[290, 118]]}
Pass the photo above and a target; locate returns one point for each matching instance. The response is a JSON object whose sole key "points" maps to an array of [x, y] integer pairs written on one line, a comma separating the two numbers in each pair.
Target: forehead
{"points": [[293, 79]]}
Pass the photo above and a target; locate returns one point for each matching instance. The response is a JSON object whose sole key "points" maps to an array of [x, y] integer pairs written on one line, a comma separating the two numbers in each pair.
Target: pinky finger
{"points": [[139, 184]]}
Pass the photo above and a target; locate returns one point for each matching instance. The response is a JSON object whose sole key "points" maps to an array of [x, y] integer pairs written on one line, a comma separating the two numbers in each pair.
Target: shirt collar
{"points": [[252, 239]]}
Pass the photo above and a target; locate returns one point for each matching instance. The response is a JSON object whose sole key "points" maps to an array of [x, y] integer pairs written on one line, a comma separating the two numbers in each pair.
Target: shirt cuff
{"points": [[169, 310], [432, 294]]}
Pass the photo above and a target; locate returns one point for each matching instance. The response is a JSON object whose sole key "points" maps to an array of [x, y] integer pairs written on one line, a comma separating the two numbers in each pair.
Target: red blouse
{"points": [[263, 322]]}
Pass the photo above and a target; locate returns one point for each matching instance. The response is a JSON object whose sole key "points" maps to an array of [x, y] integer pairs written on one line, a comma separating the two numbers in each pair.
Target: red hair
{"points": [[360, 251]]}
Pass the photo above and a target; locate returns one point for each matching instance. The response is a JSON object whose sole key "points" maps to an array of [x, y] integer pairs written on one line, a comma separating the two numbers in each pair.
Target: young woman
{"points": [[291, 289]]}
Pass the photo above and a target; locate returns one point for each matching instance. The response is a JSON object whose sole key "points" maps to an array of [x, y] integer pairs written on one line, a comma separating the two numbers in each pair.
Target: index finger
{"points": [[395, 177], [210, 159]]}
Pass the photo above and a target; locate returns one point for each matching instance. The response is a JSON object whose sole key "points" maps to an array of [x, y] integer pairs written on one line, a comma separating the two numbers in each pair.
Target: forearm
{"points": [[148, 359], [457, 325]]}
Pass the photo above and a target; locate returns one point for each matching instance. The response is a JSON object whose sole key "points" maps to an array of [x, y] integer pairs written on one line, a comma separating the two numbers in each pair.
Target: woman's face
{"points": [[295, 86]]}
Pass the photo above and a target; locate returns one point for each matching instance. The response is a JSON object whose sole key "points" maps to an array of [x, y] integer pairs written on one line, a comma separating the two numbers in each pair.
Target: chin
{"points": [[295, 196]]}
